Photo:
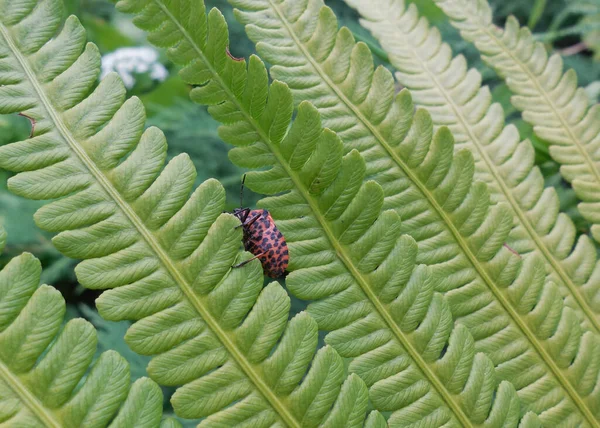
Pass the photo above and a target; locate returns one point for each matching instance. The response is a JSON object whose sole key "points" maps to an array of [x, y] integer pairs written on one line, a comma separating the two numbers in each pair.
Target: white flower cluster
{"points": [[127, 61]]}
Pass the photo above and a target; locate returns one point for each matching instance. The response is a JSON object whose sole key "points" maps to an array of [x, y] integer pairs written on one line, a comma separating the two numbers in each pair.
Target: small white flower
{"points": [[127, 61]]}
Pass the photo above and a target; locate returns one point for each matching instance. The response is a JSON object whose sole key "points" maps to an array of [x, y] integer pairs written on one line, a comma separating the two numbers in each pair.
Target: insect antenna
{"points": [[242, 191]]}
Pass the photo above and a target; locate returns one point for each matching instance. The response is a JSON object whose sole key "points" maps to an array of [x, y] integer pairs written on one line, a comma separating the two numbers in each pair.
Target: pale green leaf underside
{"points": [[43, 361], [381, 307], [549, 99], [454, 97], [164, 256], [458, 233]]}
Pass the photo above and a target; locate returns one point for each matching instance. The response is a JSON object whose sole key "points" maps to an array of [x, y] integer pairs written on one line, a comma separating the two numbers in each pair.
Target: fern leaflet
{"points": [[550, 99], [459, 235], [455, 98], [40, 367], [165, 259]]}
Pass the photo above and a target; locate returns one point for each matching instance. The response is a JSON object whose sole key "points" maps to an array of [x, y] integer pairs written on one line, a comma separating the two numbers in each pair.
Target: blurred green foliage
{"points": [[569, 26]]}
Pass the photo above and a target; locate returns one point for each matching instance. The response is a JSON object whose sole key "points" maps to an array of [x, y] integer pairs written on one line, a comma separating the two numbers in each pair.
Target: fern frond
{"points": [[42, 363], [351, 274], [549, 99], [459, 234], [454, 97], [165, 258]]}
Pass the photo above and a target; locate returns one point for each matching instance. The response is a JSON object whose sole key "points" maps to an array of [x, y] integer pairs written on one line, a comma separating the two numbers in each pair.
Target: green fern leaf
{"points": [[550, 99], [459, 234], [165, 258], [382, 308], [41, 364], [454, 97]]}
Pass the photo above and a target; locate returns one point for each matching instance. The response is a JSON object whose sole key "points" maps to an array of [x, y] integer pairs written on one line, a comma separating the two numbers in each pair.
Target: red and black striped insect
{"points": [[263, 239]]}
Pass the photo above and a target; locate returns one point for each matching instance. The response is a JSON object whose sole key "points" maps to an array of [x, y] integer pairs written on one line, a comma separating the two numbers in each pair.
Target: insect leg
{"points": [[249, 260], [242, 191]]}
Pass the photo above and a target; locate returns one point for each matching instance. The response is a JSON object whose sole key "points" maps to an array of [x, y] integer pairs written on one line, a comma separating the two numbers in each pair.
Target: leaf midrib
{"points": [[574, 290], [222, 335], [26, 397], [497, 293]]}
